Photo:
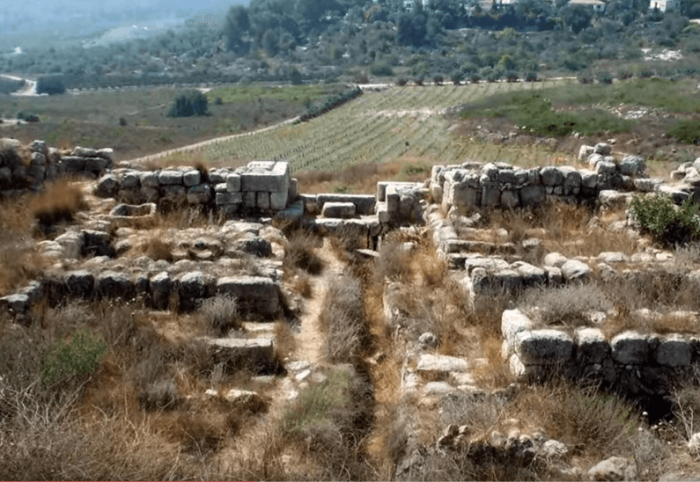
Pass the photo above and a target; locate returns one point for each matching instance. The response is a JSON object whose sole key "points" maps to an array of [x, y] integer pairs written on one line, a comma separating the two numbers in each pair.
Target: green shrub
{"points": [[667, 223], [78, 355], [605, 78], [401, 81], [51, 84], [188, 104], [381, 69], [687, 132], [317, 403], [531, 77]]}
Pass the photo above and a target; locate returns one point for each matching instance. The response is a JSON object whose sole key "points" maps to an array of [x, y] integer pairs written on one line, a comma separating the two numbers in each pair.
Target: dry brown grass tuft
{"points": [[301, 283], [57, 203], [156, 248], [299, 253], [220, 315], [342, 319]]}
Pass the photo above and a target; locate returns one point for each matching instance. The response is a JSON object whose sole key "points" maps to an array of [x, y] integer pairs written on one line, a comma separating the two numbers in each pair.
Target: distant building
{"points": [[597, 5], [663, 5]]}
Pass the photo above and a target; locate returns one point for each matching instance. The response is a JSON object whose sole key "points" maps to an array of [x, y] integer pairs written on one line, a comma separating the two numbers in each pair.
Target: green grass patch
{"points": [[533, 112], [295, 94], [687, 131], [317, 403]]}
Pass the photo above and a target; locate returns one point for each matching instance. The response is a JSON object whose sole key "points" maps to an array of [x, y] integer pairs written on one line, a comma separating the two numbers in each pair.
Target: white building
{"points": [[663, 5]]}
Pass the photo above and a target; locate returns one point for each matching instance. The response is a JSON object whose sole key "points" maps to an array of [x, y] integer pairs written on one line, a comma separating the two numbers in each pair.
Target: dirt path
{"points": [[309, 341]]}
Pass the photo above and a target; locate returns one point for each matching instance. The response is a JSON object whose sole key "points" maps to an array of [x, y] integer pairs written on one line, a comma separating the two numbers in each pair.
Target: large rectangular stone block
{"points": [[364, 203], [263, 200], [543, 347], [256, 295], [275, 179], [233, 183], [278, 200]]}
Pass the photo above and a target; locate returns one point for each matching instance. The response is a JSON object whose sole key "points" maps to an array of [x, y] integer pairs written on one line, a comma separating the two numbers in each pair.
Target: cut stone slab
{"points": [[543, 347], [441, 363], [338, 210], [591, 346], [364, 203], [674, 351], [257, 354], [630, 348], [257, 295]]}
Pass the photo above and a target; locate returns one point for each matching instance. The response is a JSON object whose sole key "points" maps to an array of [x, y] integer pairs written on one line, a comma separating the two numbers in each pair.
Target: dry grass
{"points": [[564, 228], [566, 306], [342, 319], [220, 315], [299, 253], [156, 247], [285, 343], [57, 203]]}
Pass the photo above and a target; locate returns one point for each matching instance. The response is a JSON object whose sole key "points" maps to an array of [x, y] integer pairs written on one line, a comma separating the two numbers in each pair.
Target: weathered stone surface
{"points": [[107, 186], [574, 270], [256, 354], [170, 177], [632, 166], [510, 199], [72, 243], [611, 257], [591, 346], [257, 295], [233, 183], [84, 152], [630, 348], [540, 347], [96, 243], [161, 286], [278, 200], [112, 284], [441, 363], [191, 178], [673, 351], [264, 177], [80, 283], [16, 304], [614, 469], [150, 179], [192, 287], [603, 149], [552, 176], [364, 203], [338, 210], [532, 195], [514, 322], [613, 199], [532, 275], [555, 259], [254, 245], [229, 198]]}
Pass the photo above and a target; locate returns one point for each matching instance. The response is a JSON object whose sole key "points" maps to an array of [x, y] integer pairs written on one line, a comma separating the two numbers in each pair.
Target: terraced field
{"points": [[398, 122]]}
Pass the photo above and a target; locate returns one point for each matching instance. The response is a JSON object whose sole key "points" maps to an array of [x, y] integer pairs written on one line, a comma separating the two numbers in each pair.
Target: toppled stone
{"points": [[338, 210], [441, 363], [256, 354], [575, 270], [614, 469]]}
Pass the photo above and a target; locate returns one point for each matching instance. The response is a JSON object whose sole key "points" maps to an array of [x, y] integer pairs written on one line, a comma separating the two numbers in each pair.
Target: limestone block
{"points": [[84, 152], [464, 195], [552, 176], [575, 270], [673, 351], [383, 214], [441, 364], [72, 164], [262, 200], [338, 210], [191, 178], [594, 159], [591, 346], [614, 469], [257, 295], [532, 195], [80, 283], [192, 287], [490, 194], [543, 347], [589, 179], [149, 179], [161, 285], [514, 322], [106, 153], [605, 167], [131, 180], [510, 199], [16, 304], [603, 149], [113, 284], [554, 276], [585, 151], [107, 186], [630, 348], [555, 259], [170, 177], [364, 203], [393, 202], [199, 194], [257, 354], [174, 193], [250, 200], [233, 183], [632, 166], [260, 177], [218, 176], [293, 191], [532, 276], [228, 198]]}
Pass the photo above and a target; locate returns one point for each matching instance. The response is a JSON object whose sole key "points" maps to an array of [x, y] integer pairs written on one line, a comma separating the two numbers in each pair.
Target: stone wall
{"points": [[257, 296], [28, 167], [259, 187], [638, 364]]}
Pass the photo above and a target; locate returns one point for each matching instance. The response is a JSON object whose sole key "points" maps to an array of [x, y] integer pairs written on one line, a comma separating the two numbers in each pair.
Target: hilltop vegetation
{"points": [[332, 39]]}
